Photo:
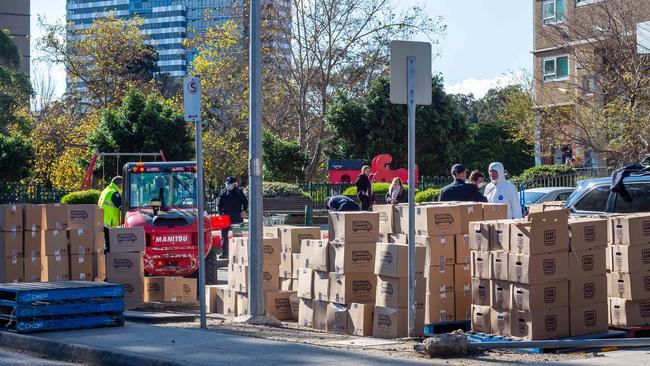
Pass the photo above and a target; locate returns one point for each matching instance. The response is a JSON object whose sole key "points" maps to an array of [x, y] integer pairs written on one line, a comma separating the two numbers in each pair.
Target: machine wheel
{"points": [[211, 268]]}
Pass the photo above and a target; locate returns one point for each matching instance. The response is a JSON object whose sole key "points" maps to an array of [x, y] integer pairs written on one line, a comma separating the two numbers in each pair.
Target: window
{"points": [[556, 68], [563, 196], [586, 2], [552, 11], [595, 200], [635, 198]]}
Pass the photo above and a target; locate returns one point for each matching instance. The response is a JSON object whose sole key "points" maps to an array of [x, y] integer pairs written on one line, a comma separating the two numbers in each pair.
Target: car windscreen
{"points": [[177, 188], [595, 200], [635, 198], [532, 197]]}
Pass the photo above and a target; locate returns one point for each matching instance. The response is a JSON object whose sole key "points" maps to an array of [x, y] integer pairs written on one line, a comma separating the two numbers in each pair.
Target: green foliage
{"points": [[429, 195], [82, 197], [283, 160], [544, 171], [9, 54], [16, 155], [379, 189], [281, 189]]}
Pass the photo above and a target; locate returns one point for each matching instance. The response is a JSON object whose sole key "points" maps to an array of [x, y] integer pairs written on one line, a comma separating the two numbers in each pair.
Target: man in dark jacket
{"points": [[364, 188], [459, 190], [341, 203], [232, 203]]}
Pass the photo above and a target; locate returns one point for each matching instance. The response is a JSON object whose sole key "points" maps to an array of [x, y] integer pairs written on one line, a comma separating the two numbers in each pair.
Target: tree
{"points": [[362, 127], [283, 160], [16, 155]]}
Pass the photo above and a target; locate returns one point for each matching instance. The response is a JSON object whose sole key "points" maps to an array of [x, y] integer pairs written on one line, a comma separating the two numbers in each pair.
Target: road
{"points": [[18, 359]]}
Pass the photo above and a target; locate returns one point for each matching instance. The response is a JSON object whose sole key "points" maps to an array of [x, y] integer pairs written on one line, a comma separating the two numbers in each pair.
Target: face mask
{"points": [[230, 186], [481, 185]]}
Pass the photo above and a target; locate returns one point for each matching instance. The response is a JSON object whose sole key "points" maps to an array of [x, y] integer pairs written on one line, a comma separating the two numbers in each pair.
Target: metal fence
{"points": [[320, 191], [12, 192], [433, 182]]}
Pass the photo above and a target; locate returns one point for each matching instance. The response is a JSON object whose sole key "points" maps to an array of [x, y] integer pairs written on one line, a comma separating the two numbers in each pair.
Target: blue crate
{"points": [[446, 327], [84, 322], [483, 337], [51, 291]]}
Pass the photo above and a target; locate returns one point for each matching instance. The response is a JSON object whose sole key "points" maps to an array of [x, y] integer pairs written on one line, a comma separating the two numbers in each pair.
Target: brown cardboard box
{"points": [[440, 280], [608, 259], [306, 312], [500, 321], [32, 271], [434, 220], [589, 319], [321, 286], [99, 264], [390, 322], [12, 270], [393, 292], [440, 250], [587, 233], [242, 303], [354, 258], [320, 315], [315, 253], [481, 292], [360, 318], [124, 265], [298, 262], [469, 212], [238, 278], [481, 319], [499, 265], [533, 269], [128, 240], [226, 301], [211, 298], [11, 217], [54, 242], [392, 260], [388, 218], [354, 227], [55, 216], [286, 284], [87, 216], [546, 323], [500, 234], [272, 232], [240, 247], [279, 305], [32, 243], [396, 238], [233, 250], [163, 289], [11, 244], [629, 313], [546, 206], [587, 290], [272, 247], [85, 240], [495, 211], [356, 287], [633, 229], [133, 289], [630, 259], [337, 318], [81, 267], [479, 236], [190, 291], [270, 277], [32, 217], [587, 263], [630, 286], [439, 307], [286, 267], [306, 283], [463, 292], [481, 264], [543, 232], [500, 294], [55, 268], [462, 255], [541, 296], [292, 236]]}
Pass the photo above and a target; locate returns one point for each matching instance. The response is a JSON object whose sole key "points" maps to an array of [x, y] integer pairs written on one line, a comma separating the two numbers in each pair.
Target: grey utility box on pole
{"points": [[410, 85]]}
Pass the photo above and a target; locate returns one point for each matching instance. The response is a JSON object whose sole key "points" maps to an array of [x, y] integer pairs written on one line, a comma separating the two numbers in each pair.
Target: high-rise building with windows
{"points": [[14, 16]]}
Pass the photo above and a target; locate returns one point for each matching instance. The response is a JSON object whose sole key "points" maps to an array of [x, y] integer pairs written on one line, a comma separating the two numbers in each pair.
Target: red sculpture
{"points": [[346, 171]]}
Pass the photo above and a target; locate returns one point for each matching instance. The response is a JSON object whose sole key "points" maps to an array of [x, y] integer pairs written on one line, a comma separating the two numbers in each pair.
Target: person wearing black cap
{"points": [[232, 203], [459, 190]]}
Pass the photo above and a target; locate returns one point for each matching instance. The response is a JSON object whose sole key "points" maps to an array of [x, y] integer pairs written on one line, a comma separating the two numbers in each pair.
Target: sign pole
{"points": [[410, 61]]}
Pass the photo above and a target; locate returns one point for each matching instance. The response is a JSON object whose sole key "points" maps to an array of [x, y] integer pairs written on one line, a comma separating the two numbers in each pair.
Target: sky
{"points": [[484, 46]]}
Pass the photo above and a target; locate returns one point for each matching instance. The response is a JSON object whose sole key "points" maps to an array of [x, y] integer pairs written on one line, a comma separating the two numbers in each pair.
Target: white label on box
{"points": [[55, 232], [443, 241], [14, 257], [80, 232], [81, 258], [13, 234], [13, 228], [443, 292], [33, 230], [442, 264], [470, 209], [82, 250], [467, 289], [33, 257], [443, 316], [82, 276], [13, 209], [173, 298], [57, 255]]}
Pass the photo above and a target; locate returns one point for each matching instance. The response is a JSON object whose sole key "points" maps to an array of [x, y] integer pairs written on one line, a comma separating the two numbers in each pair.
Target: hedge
{"points": [[82, 197], [545, 171], [280, 189], [429, 195], [379, 189]]}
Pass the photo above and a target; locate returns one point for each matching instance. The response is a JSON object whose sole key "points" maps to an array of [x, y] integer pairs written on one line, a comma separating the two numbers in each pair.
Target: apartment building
{"points": [[14, 16]]}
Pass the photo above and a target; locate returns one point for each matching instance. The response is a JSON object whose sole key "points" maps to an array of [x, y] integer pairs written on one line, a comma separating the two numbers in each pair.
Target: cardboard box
{"points": [[588, 263], [631, 259], [546, 206], [292, 236], [495, 211], [499, 265], [233, 250], [54, 216], [541, 296], [32, 243], [481, 319], [630, 286], [462, 255], [396, 238], [500, 234], [242, 303], [99, 264], [534, 269], [354, 227], [32, 217], [124, 265], [469, 212], [500, 294], [392, 260], [130, 240], [238, 277], [272, 247], [629, 313], [633, 229], [591, 319], [306, 312], [11, 244], [286, 284], [270, 278], [479, 236], [315, 253], [481, 264], [393, 292], [272, 232], [320, 315], [54, 242], [500, 322], [12, 270], [481, 292], [587, 290], [354, 258], [297, 262], [587, 233], [286, 265], [133, 289], [354, 287], [81, 267], [388, 218], [163, 289], [190, 291], [32, 272], [435, 220], [321, 286], [305, 283], [440, 250], [439, 308], [86, 216], [360, 317], [337, 318], [440, 279], [240, 248], [55, 268], [463, 292], [11, 217], [546, 323], [226, 301], [211, 298], [86, 240], [543, 232], [278, 304], [390, 322]]}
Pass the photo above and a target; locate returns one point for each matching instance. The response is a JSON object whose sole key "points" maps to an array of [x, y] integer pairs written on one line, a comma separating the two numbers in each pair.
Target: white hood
{"points": [[499, 168], [502, 191]]}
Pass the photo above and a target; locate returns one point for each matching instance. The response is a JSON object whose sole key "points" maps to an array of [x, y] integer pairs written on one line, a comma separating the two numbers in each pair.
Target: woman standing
{"points": [[396, 193], [364, 188]]}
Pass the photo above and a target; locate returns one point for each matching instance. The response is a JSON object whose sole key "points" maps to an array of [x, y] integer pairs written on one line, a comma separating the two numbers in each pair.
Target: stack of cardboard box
{"points": [[124, 262], [11, 243], [47, 241], [629, 261], [291, 238], [86, 243]]}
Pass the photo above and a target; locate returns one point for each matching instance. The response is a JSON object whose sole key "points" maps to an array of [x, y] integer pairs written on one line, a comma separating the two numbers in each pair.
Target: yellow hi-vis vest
{"points": [[111, 213]]}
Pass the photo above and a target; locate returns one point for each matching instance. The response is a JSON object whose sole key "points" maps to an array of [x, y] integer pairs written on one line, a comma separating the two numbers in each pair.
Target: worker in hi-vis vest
{"points": [[111, 202]]}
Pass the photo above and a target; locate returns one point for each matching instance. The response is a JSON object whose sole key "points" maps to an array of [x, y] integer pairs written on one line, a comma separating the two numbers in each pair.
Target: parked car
{"points": [[547, 194], [594, 196]]}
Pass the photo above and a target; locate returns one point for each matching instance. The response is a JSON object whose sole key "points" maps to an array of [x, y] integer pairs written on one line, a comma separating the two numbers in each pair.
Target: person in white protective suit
{"points": [[500, 190]]}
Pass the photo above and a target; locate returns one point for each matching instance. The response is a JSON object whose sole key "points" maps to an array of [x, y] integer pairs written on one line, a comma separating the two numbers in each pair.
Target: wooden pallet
{"points": [[483, 337], [633, 331], [446, 327]]}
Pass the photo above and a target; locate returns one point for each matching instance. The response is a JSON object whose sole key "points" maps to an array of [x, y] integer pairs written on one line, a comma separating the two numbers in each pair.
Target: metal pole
{"points": [[411, 158], [256, 302], [199, 216]]}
